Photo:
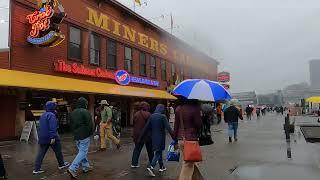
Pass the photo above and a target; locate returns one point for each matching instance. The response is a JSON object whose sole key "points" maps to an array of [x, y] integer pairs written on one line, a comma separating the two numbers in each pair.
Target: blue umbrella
{"points": [[201, 89]]}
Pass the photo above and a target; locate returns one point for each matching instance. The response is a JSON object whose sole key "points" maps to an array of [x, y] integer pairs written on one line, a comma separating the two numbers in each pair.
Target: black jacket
{"points": [[232, 114]]}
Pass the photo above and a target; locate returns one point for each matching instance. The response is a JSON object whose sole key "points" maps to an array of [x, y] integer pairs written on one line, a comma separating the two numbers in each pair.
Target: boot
{"points": [[230, 140]]}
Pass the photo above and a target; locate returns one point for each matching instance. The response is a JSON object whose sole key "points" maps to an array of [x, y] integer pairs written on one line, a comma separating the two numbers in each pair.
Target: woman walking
{"points": [[140, 120], [189, 113], [157, 124]]}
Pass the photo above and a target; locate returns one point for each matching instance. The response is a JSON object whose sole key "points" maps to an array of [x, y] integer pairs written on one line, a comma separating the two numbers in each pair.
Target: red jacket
{"points": [[140, 119], [192, 122]]}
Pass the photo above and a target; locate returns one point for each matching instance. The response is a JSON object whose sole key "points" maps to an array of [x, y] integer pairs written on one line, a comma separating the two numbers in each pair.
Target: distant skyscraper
{"points": [[315, 73]]}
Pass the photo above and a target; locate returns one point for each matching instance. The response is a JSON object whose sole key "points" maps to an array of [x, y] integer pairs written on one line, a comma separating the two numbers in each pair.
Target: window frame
{"points": [[145, 64], [90, 48], [153, 66], [163, 70], [108, 55], [131, 60], [173, 75], [69, 42]]}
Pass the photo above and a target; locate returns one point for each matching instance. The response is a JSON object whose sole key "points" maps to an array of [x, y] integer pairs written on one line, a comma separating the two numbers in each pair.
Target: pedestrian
{"points": [[231, 116], [189, 113], [248, 112], [258, 111], [140, 119], [157, 124], [3, 174], [219, 112], [49, 137], [106, 131], [82, 127]]}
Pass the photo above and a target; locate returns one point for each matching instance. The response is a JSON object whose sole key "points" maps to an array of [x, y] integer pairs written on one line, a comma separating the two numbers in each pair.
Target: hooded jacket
{"points": [[157, 124], [232, 114], [140, 120], [81, 120], [48, 124]]}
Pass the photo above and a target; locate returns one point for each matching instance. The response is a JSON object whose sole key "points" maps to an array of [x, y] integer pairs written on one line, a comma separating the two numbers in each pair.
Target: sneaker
{"points": [[37, 171], [66, 164], [72, 174], [162, 169], [88, 169], [133, 166], [150, 171]]}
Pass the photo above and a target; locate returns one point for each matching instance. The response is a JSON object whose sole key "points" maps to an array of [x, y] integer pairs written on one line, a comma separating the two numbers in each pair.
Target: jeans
{"points": [[2, 169], [82, 156], [233, 126], [137, 150], [106, 132], [56, 147], [157, 158]]}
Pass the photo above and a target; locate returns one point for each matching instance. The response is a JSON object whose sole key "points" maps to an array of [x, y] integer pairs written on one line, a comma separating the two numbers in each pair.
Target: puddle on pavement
{"points": [[276, 171]]}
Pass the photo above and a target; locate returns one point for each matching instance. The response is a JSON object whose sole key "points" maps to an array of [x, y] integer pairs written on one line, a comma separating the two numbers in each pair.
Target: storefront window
{"points": [[128, 59], [74, 51], [163, 70], [143, 64], [94, 49], [173, 73], [153, 67], [112, 54]]}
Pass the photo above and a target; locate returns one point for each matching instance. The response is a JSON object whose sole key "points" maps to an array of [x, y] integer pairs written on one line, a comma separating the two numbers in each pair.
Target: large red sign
{"points": [[224, 77], [74, 68]]}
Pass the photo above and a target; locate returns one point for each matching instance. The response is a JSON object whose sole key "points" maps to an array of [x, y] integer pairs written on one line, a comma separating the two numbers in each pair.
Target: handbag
{"points": [[172, 154], [205, 137], [191, 149]]}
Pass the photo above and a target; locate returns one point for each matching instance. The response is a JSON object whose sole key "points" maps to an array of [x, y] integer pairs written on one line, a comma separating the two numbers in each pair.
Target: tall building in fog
{"points": [[315, 73]]}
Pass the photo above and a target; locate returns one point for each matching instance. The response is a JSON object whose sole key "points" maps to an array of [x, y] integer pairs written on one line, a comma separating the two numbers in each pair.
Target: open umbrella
{"points": [[201, 89], [313, 99]]}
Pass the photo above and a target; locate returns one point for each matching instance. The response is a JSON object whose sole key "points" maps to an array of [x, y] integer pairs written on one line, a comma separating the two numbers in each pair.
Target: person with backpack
{"points": [[106, 126], [49, 137], [140, 119], [82, 128]]}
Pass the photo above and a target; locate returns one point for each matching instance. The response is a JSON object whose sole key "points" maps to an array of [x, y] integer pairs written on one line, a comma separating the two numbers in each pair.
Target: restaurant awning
{"points": [[13, 78]]}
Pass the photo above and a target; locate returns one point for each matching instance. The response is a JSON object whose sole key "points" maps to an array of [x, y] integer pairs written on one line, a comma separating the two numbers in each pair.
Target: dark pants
{"points": [[56, 147], [137, 150], [157, 158], [219, 118], [2, 169]]}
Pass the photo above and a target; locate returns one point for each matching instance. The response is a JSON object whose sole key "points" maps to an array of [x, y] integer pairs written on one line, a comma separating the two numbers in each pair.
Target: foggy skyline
{"points": [[264, 44]]}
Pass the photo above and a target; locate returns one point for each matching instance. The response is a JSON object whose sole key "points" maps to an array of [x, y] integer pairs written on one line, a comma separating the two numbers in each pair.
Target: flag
{"points": [[138, 2]]}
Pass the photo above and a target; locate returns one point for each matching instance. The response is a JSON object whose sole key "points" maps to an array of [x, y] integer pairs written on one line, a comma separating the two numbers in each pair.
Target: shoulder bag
{"points": [[191, 150]]}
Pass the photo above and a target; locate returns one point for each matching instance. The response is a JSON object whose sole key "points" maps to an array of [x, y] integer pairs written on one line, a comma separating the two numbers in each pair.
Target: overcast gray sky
{"points": [[265, 44]]}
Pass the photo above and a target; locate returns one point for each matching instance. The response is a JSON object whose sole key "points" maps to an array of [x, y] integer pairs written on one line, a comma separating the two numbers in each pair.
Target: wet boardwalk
{"points": [[260, 154]]}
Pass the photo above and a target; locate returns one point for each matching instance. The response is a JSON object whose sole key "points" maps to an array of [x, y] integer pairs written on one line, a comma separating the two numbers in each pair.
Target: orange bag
{"points": [[191, 150]]}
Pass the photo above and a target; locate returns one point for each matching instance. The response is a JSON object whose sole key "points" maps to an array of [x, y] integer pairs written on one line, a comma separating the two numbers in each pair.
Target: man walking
{"points": [[82, 127], [106, 126], [249, 112], [231, 116], [49, 137]]}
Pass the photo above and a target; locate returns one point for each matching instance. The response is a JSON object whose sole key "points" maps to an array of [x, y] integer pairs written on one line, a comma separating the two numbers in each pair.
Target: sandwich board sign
{"points": [[29, 126]]}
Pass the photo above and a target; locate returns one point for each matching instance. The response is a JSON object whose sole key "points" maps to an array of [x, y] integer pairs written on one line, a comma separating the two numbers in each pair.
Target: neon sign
{"points": [[122, 77], [74, 68], [44, 24]]}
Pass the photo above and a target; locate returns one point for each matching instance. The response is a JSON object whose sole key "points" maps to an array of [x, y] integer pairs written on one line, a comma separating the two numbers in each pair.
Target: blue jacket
{"points": [[48, 124], [157, 124]]}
